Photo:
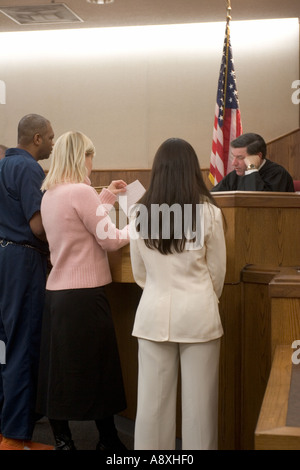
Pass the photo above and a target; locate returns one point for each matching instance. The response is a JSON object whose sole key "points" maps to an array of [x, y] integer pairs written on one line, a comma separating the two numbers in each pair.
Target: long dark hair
{"points": [[176, 179]]}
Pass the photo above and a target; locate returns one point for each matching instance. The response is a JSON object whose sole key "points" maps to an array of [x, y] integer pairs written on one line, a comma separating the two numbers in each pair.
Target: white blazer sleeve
{"points": [[216, 251], [137, 263]]}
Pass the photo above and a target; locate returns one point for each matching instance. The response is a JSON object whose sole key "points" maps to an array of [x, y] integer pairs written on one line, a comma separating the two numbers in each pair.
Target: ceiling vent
{"points": [[54, 13]]}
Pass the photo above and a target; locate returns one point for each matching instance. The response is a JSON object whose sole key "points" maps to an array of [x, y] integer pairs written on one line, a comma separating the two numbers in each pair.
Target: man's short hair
{"points": [[254, 144], [30, 125]]}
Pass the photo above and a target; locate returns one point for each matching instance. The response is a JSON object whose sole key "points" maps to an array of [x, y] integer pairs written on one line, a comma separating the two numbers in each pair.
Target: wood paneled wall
{"points": [[101, 178], [285, 150]]}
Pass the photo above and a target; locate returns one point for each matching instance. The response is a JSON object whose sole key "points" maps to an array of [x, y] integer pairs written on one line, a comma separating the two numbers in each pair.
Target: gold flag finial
{"points": [[228, 10]]}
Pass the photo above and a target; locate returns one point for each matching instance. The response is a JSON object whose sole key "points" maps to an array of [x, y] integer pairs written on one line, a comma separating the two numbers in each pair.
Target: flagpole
{"points": [[227, 120], [228, 11], [228, 18]]}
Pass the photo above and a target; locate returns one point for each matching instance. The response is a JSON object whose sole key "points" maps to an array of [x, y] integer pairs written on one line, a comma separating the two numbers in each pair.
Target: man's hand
{"points": [[253, 159]]}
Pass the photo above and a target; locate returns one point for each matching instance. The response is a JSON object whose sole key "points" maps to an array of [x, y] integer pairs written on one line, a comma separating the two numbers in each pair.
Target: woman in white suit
{"points": [[178, 257]]}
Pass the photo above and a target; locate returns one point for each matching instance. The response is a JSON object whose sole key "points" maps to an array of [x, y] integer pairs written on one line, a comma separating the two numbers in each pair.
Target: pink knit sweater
{"points": [[74, 217]]}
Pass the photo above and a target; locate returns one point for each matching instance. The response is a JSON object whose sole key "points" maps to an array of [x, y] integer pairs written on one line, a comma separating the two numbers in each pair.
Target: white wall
{"points": [[129, 89]]}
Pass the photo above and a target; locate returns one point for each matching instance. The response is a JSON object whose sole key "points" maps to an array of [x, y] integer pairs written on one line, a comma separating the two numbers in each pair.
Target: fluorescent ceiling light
{"points": [[100, 2], [126, 42]]}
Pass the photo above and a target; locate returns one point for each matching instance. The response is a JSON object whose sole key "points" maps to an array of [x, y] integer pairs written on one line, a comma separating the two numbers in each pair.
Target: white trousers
{"points": [[155, 426]]}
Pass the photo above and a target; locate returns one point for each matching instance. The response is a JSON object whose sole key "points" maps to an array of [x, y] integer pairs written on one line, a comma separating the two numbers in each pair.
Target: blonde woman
{"points": [[80, 376]]}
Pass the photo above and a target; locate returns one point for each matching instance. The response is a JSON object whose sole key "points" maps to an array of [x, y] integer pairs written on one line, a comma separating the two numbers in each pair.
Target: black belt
{"points": [[4, 243]]}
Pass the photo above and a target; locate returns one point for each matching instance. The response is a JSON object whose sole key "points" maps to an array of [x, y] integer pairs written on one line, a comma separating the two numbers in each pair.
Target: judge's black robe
{"points": [[270, 177]]}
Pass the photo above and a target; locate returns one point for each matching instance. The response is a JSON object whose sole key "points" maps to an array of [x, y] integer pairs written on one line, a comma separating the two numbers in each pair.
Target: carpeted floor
{"points": [[84, 433]]}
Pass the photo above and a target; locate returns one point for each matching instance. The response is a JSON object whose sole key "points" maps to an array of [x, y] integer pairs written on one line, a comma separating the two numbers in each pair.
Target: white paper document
{"points": [[134, 191]]}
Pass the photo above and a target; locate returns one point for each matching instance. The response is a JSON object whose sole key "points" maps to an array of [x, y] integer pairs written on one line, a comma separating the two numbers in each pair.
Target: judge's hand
{"points": [[255, 159], [117, 186]]}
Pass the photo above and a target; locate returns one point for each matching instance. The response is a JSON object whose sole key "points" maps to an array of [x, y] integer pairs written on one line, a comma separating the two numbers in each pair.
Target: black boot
{"points": [[108, 436], [113, 445], [63, 442], [62, 434]]}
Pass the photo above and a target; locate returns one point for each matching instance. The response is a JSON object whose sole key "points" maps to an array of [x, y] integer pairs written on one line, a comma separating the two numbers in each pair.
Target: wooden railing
{"points": [[271, 323], [278, 426], [273, 431]]}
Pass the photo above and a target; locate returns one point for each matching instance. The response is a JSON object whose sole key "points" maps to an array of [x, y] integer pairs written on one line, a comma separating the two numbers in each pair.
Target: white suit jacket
{"points": [[181, 291]]}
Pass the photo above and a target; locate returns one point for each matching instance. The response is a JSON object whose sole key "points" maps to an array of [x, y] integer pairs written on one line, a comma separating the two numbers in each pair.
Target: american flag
{"points": [[227, 123]]}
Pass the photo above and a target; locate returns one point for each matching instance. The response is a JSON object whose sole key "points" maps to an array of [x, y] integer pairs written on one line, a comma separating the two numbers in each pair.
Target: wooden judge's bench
{"points": [[263, 244]]}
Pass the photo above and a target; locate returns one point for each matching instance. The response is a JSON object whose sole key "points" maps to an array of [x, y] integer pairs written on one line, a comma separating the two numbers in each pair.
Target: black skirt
{"points": [[80, 375]]}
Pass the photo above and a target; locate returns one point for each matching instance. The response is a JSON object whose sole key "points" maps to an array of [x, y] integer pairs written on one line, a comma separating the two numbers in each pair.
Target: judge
{"points": [[252, 170]]}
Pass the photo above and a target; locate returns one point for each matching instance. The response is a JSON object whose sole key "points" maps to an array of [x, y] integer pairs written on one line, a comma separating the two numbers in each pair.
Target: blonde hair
{"points": [[68, 159]]}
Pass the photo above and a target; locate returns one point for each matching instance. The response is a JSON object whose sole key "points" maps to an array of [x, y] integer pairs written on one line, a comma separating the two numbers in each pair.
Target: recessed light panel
{"points": [[54, 13]]}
